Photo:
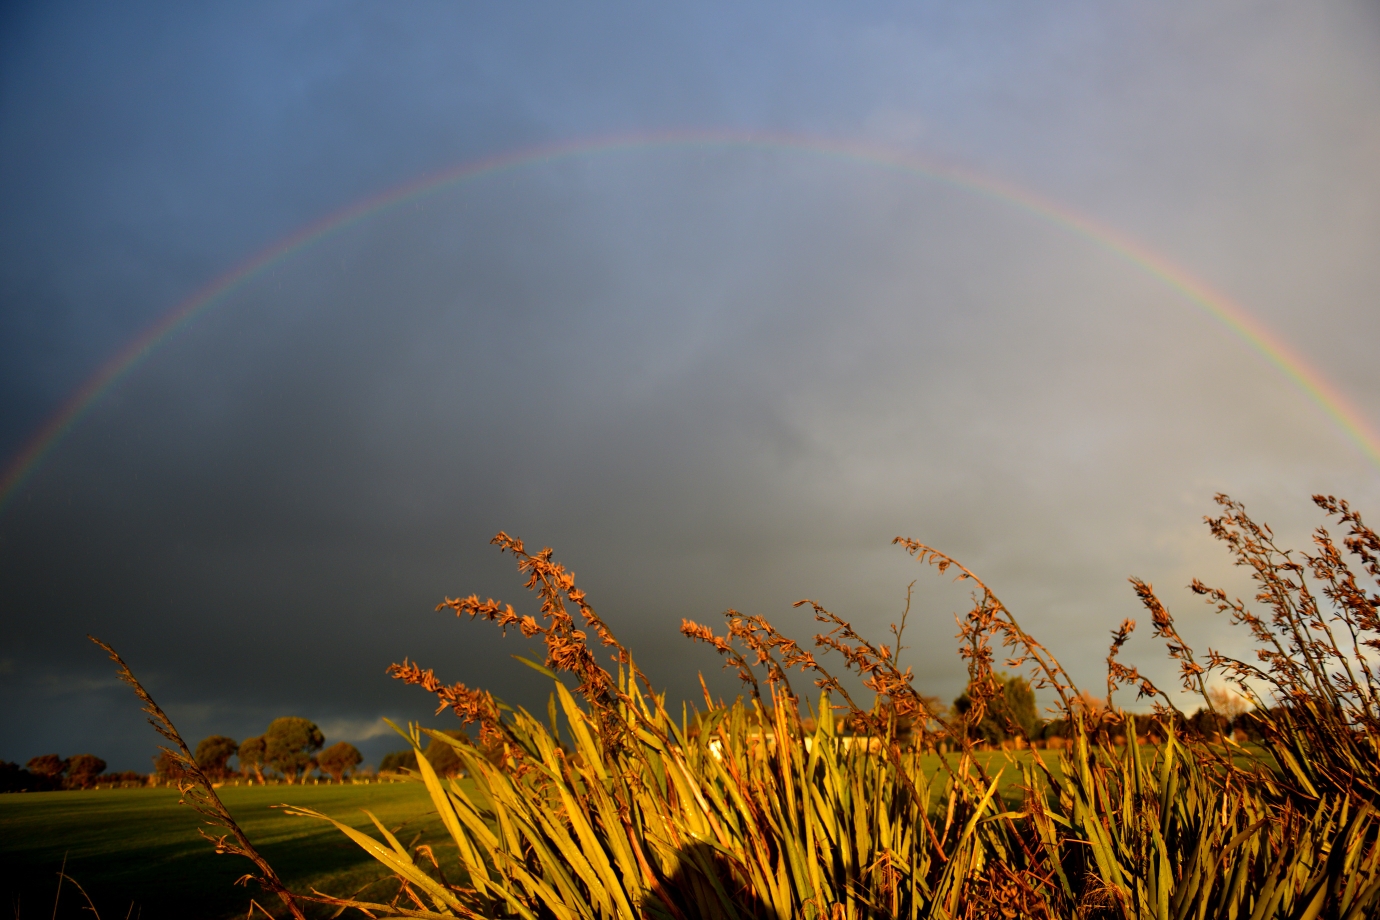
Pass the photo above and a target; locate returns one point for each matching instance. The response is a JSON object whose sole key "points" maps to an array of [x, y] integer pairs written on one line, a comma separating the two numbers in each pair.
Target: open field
{"points": [[138, 854], [138, 850]]}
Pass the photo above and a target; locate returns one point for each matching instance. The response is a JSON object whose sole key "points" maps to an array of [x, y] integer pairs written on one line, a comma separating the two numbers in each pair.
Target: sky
{"points": [[710, 375]]}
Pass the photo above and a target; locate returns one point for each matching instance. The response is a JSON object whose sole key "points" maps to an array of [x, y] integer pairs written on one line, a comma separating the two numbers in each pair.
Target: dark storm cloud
{"points": [[708, 378]]}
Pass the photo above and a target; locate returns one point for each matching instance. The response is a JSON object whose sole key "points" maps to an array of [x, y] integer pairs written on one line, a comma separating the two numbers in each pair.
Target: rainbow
{"points": [[1230, 314]]}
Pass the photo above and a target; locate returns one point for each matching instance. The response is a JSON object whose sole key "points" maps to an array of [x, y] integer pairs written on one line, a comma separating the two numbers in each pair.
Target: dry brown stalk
{"points": [[198, 792], [470, 705], [567, 647], [989, 615], [1190, 672]]}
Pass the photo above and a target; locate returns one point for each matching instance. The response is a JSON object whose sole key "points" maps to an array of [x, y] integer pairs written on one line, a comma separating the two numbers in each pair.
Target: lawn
{"points": [[138, 854]]}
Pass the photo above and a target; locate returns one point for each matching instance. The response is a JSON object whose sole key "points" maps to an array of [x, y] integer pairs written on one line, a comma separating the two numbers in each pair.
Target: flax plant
{"points": [[613, 806]]}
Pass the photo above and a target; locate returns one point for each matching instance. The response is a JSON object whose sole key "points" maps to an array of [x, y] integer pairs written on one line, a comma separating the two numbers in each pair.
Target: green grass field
{"points": [[1008, 763], [138, 854]]}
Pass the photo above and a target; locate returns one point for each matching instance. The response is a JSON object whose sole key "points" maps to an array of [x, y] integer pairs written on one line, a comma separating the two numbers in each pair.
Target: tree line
{"points": [[49, 772], [1011, 714], [290, 749], [443, 758]]}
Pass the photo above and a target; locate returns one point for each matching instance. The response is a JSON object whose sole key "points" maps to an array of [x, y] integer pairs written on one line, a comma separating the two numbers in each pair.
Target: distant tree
{"points": [[339, 759], [1150, 726], [1208, 724], [167, 767], [251, 756], [123, 778], [82, 771], [1019, 700], [14, 778], [289, 745], [1012, 708], [398, 761], [443, 757], [1251, 724], [1055, 728], [49, 766], [1229, 702], [213, 753]]}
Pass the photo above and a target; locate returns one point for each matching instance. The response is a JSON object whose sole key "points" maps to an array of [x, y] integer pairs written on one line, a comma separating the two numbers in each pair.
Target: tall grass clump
{"points": [[612, 805]]}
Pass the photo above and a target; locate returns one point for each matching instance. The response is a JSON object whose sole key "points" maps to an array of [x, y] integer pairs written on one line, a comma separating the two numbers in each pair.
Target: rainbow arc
{"points": [[1232, 315]]}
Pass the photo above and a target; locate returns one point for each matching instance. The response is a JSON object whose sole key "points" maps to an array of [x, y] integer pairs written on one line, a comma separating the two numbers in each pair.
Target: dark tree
{"points": [[1008, 714], [339, 759], [398, 761], [123, 778], [251, 756], [289, 745], [1208, 724], [214, 753], [167, 768], [83, 769], [443, 757], [48, 766], [14, 778], [1252, 724]]}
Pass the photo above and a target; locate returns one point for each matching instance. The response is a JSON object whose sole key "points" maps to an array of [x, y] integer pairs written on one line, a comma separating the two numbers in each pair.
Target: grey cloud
{"points": [[708, 378]]}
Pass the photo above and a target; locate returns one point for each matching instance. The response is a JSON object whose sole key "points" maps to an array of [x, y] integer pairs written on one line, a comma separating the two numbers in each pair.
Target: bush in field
{"points": [[213, 755], [612, 806], [339, 759], [290, 745]]}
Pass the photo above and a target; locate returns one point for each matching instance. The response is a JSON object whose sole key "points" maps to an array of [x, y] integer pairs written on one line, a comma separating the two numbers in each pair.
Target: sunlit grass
{"points": [[138, 846]]}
